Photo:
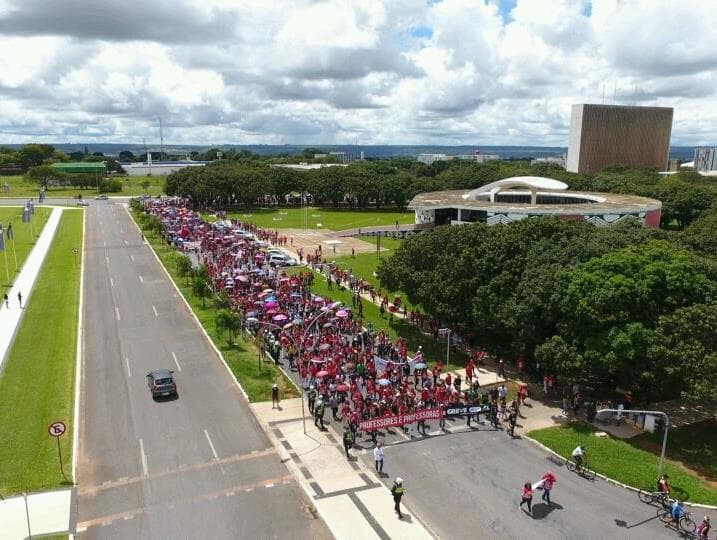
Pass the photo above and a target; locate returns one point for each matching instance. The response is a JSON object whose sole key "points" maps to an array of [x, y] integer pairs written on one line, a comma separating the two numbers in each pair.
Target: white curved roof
{"points": [[532, 183]]}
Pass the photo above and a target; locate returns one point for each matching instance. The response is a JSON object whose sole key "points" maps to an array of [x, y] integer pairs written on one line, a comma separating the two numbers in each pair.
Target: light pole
{"points": [[447, 333], [300, 344], [664, 438]]}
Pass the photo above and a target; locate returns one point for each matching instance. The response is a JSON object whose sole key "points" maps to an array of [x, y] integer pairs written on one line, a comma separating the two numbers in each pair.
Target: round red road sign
{"points": [[57, 429]]}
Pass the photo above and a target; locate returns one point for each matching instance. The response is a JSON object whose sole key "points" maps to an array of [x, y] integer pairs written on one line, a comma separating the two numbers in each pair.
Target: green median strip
{"points": [[37, 385], [622, 461], [242, 356]]}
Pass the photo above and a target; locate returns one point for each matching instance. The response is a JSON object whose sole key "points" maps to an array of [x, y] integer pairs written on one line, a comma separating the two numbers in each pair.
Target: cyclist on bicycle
{"points": [[578, 454], [663, 486], [703, 528], [677, 512]]}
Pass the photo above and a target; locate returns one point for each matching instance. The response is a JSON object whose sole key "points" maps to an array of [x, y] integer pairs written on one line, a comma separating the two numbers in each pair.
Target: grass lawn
{"points": [[364, 265], [335, 219], [131, 186], [695, 446], [37, 385], [242, 356], [622, 461], [24, 240]]}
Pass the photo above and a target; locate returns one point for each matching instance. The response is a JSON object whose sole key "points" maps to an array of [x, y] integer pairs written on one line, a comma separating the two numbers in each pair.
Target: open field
{"points": [[364, 265], [37, 385], [242, 356], [131, 186], [620, 460], [25, 234], [334, 219]]}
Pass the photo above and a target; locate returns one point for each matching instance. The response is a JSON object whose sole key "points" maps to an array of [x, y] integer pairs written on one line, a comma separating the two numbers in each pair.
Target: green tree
{"points": [[44, 174], [228, 321], [32, 155], [184, 266], [201, 289]]}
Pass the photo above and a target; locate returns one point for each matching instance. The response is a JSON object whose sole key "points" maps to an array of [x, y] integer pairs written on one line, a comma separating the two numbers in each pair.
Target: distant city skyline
{"points": [[398, 72]]}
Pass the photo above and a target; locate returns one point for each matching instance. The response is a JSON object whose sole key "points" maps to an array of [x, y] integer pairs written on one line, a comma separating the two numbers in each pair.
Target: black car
{"points": [[161, 383]]}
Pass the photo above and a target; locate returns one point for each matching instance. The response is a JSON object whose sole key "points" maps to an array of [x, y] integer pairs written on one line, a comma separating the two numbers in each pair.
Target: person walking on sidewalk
{"points": [[319, 414], [7, 300], [19, 298], [274, 396], [397, 491], [527, 497], [348, 442], [378, 457]]}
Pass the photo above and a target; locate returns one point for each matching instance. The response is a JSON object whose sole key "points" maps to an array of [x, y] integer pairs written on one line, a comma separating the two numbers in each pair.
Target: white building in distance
{"points": [[476, 157]]}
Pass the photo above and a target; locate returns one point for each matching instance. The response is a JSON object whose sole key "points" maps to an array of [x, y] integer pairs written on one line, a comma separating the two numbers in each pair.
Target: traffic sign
{"points": [[57, 429]]}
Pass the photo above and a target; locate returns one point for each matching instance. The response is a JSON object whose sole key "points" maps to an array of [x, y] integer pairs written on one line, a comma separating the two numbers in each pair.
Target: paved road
{"points": [[468, 485], [196, 467]]}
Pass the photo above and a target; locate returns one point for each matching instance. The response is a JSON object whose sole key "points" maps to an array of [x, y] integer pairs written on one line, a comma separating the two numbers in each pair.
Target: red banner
{"points": [[400, 420]]}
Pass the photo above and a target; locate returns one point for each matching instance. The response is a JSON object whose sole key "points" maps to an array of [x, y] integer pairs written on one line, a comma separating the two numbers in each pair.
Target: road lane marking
{"points": [[122, 231], [104, 244], [124, 481], [141, 280], [107, 260], [155, 311], [132, 257], [126, 242], [246, 488], [117, 312], [144, 458], [129, 371], [112, 282], [176, 363], [211, 444]]}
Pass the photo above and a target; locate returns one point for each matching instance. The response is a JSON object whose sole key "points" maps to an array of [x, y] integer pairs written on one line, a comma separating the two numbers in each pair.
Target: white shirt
{"points": [[577, 452], [378, 453]]}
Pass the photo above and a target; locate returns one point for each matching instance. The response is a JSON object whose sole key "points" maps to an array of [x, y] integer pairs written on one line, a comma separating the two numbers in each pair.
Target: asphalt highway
{"points": [[198, 466]]}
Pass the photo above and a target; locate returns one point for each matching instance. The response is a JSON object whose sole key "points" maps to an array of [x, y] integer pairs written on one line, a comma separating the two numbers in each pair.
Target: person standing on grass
{"points": [[527, 497], [378, 457]]}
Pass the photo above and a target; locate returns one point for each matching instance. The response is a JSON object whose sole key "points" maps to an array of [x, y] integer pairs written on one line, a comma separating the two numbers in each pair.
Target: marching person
{"points": [[348, 442], [397, 491], [548, 482], [274, 396], [319, 414], [512, 420], [312, 398], [378, 457], [527, 497]]}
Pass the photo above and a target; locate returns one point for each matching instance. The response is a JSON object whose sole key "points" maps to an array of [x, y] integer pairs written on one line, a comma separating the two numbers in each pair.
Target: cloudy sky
{"points": [[348, 71]]}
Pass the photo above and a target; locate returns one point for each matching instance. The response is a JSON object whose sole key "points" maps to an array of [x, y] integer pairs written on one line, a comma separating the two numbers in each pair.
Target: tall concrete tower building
{"points": [[606, 135]]}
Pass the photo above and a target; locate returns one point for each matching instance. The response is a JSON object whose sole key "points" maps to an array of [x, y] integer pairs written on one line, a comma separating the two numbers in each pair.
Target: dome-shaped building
{"points": [[523, 197]]}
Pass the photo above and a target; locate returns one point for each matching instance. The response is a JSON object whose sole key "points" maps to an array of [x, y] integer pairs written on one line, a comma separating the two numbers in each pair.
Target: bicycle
{"points": [[582, 469], [649, 497], [685, 523]]}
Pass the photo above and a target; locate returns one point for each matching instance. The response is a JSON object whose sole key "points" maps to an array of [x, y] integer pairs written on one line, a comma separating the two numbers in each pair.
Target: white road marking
{"points": [[176, 363], [141, 280], [144, 458], [211, 444], [132, 257], [107, 260], [269, 485], [112, 282], [155, 311], [121, 230], [118, 315], [126, 242], [129, 371], [104, 244]]}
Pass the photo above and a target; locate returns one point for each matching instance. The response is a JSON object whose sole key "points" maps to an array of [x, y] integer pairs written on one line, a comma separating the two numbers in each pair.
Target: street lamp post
{"points": [[664, 438]]}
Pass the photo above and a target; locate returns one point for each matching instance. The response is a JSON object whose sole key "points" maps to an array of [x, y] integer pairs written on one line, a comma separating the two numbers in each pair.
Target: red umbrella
{"points": [[342, 388], [322, 373]]}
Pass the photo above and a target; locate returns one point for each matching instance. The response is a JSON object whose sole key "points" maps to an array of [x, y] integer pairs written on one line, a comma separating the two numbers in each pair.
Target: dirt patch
{"points": [[330, 245]]}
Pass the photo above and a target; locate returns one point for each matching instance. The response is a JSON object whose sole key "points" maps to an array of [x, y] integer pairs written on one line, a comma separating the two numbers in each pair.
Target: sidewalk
{"points": [[46, 513], [25, 280], [349, 497]]}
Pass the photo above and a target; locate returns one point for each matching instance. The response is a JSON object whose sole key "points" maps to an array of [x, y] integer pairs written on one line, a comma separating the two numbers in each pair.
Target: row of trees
{"points": [[621, 306], [685, 196]]}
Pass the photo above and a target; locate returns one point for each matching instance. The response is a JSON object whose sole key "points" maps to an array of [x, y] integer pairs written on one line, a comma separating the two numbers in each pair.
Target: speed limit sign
{"points": [[57, 429]]}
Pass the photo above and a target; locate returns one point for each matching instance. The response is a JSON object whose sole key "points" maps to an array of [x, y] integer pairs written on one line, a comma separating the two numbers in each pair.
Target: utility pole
{"points": [[161, 141]]}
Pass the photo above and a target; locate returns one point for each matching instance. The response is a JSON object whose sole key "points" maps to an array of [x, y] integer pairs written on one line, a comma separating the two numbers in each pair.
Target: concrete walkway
{"points": [[349, 497], [50, 511]]}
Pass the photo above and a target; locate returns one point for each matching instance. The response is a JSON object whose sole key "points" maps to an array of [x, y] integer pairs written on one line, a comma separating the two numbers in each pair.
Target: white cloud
{"points": [[337, 71]]}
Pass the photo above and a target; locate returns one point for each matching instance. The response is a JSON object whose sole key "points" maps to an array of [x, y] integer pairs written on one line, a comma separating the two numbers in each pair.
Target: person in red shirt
{"points": [[527, 497], [469, 371], [437, 371], [548, 482]]}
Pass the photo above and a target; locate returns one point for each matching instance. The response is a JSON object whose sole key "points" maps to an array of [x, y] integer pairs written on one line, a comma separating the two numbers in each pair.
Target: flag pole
{"points": [[7, 272], [13, 252], [11, 236]]}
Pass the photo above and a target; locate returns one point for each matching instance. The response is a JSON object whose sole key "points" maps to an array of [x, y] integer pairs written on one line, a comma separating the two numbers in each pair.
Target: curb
{"points": [[189, 308], [608, 479], [79, 357]]}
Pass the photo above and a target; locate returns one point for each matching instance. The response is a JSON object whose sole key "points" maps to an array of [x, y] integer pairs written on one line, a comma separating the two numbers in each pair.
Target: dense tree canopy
{"points": [[584, 302]]}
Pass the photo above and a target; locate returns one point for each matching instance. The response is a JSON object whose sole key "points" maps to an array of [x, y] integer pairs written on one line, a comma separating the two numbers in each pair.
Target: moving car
{"points": [[82, 203], [101, 197], [161, 383]]}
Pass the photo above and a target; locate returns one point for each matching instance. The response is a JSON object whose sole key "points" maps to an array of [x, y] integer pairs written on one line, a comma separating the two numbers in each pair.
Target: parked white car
{"points": [[276, 259]]}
